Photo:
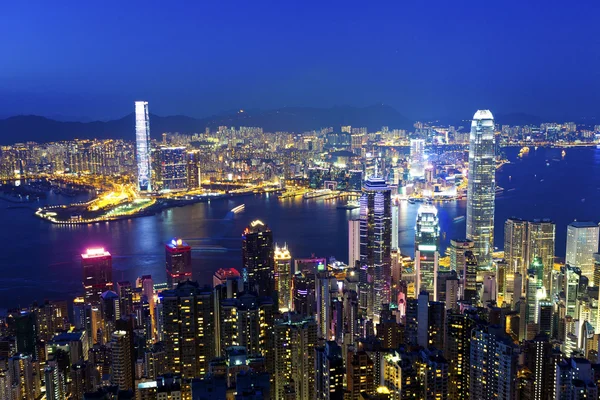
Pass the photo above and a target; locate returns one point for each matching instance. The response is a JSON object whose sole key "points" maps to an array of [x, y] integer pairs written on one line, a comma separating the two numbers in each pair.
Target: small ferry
{"points": [[460, 218], [238, 209]]}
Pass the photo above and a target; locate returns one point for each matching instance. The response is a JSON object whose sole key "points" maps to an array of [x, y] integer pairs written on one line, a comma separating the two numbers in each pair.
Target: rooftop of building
{"points": [[583, 224], [95, 253]]}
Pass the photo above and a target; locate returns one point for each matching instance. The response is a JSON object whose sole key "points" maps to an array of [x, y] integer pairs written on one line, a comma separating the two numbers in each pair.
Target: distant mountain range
{"points": [[24, 128]]}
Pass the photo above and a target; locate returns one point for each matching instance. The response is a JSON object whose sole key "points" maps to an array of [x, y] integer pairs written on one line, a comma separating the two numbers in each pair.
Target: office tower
{"points": [[178, 262], [295, 342], [188, 329], [481, 191], [303, 292], [515, 244], [457, 350], [400, 375], [423, 319], [125, 296], [575, 379], [54, 383], [359, 375], [427, 244], [572, 288], [582, 243], [194, 177], [248, 321], [172, 173], [540, 243], [26, 332], [325, 284], [142, 140], [329, 372], [121, 353], [458, 247], [436, 321], [22, 377], [541, 359], [376, 241], [283, 277], [493, 364], [257, 259], [97, 274], [526, 240], [470, 278], [353, 242], [395, 227], [417, 157], [432, 367]]}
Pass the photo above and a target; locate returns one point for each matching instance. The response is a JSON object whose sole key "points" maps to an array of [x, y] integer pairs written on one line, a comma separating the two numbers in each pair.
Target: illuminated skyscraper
{"points": [[257, 259], [458, 247], [188, 329], [394, 227], [173, 168], [376, 241], [142, 139], [329, 372], [121, 354], [353, 242], [481, 193], [582, 243], [294, 343], [97, 274], [526, 240], [417, 158], [515, 245], [470, 278], [178, 262], [283, 277], [427, 243]]}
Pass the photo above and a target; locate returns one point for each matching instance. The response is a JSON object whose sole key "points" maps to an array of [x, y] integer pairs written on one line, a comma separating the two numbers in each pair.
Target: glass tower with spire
{"points": [[481, 192], [376, 242]]}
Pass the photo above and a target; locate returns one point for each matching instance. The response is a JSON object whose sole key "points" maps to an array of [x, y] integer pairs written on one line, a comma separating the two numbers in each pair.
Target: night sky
{"points": [[78, 59]]}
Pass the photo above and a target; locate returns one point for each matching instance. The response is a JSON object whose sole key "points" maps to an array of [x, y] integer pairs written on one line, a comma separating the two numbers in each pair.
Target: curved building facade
{"points": [[482, 187]]}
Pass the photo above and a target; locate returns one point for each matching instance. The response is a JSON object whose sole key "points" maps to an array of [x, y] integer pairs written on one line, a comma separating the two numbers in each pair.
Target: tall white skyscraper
{"points": [[353, 242], [481, 193], [582, 243], [417, 157], [394, 226], [427, 244], [142, 140]]}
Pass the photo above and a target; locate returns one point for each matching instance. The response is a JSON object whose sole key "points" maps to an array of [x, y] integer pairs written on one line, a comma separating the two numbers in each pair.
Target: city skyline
{"points": [[363, 252]]}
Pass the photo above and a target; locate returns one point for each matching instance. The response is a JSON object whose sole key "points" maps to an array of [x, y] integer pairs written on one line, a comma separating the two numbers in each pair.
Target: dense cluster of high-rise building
{"points": [[474, 323]]}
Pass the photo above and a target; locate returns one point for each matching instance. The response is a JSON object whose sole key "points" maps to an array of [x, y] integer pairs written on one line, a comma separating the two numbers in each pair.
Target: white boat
{"points": [[238, 209]]}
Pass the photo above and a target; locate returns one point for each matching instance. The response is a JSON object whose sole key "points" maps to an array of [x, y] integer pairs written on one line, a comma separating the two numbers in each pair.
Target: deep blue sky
{"points": [[425, 58]]}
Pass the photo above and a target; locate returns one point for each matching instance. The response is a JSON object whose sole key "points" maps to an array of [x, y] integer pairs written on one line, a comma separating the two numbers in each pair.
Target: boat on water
{"points": [[460, 218], [350, 205], [499, 190], [317, 193], [238, 209]]}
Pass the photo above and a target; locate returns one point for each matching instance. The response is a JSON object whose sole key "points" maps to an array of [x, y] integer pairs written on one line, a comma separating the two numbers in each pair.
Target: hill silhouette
{"points": [[24, 128]]}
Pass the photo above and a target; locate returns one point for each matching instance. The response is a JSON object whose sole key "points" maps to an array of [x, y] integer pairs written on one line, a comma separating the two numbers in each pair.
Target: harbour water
{"points": [[39, 260]]}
